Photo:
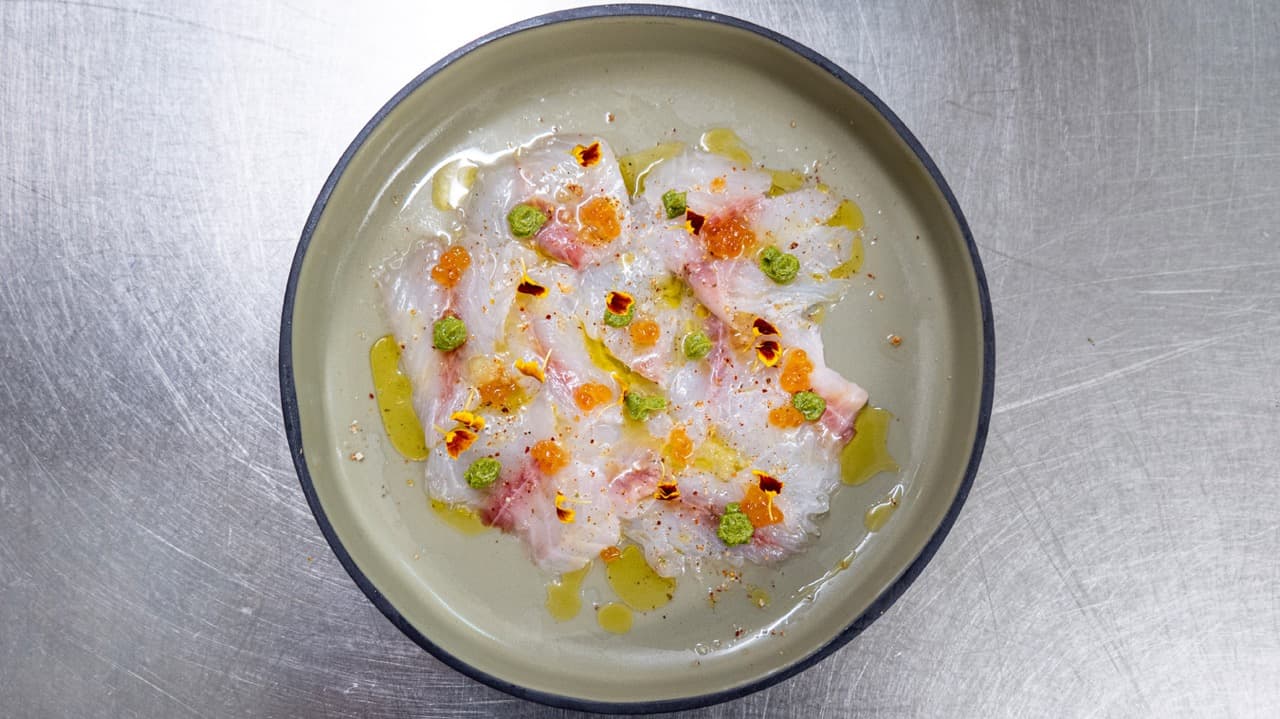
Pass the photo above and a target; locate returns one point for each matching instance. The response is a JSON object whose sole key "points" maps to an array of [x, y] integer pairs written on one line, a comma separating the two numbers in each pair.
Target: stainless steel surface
{"points": [[1120, 551]]}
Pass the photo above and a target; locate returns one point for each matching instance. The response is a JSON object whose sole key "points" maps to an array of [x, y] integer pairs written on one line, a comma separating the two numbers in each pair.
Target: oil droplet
{"points": [[848, 215], [725, 142], [614, 618], [880, 512], [701, 649], [635, 582], [785, 181], [758, 596], [601, 357], [636, 165], [395, 400], [718, 457], [459, 517], [866, 454], [564, 595], [451, 183]]}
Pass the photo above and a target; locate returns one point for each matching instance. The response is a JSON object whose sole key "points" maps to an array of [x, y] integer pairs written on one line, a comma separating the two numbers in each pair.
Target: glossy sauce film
{"points": [[633, 582]]}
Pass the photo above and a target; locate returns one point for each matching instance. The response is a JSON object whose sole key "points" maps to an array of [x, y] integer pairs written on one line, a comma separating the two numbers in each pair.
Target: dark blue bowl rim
{"points": [[292, 420]]}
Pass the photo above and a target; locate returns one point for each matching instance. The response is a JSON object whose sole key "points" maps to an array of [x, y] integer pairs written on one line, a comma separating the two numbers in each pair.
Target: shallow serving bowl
{"points": [[637, 75]]}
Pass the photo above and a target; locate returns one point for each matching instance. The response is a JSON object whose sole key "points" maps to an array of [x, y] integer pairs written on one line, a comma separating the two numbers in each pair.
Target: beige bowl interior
{"points": [[478, 598]]}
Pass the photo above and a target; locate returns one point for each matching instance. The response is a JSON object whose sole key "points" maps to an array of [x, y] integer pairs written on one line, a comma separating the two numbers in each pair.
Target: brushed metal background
{"points": [[1119, 164]]}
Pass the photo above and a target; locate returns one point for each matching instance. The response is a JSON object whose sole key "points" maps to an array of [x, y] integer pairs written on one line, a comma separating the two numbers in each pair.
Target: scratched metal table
{"points": [[1119, 554]]}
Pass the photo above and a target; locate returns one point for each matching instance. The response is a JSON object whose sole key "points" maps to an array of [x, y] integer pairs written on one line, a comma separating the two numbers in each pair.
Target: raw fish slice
{"points": [[413, 301], [587, 206]]}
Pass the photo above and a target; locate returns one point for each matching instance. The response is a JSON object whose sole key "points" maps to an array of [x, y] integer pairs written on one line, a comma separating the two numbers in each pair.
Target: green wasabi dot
{"points": [[810, 405], [613, 319], [735, 527], [639, 406], [779, 266], [448, 334], [483, 472], [696, 345], [525, 220], [675, 203]]}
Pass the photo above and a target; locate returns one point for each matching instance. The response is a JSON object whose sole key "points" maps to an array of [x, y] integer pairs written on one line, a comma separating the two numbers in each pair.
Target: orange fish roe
{"points": [[591, 395], [796, 368], [667, 491], [717, 185], [759, 508], [610, 553], [679, 446], [500, 391], [452, 264], [599, 219], [548, 456], [645, 333], [728, 237], [785, 417]]}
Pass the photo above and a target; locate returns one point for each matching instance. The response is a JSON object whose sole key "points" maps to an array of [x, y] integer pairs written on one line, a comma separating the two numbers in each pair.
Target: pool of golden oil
{"points": [[634, 166], [849, 215], [564, 595], [758, 596], [461, 518], [725, 142], [866, 455], [878, 514], [614, 618], [395, 400], [635, 582], [450, 183]]}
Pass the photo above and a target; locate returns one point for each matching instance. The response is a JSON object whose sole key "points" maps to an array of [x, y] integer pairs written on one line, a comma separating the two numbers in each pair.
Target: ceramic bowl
{"points": [[475, 601]]}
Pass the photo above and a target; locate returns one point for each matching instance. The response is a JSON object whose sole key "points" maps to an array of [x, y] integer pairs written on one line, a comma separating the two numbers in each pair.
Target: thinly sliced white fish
{"points": [[535, 313]]}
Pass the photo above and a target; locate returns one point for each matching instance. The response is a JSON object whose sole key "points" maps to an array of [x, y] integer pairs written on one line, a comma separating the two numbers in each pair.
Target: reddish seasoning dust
{"points": [[728, 236], [645, 333], [452, 264], [549, 456], [591, 395], [785, 417], [796, 368]]}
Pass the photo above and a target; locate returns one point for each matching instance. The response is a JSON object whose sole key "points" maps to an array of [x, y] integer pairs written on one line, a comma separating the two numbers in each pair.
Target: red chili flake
{"points": [[618, 302], [667, 491], [694, 221], [588, 155], [761, 327]]}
